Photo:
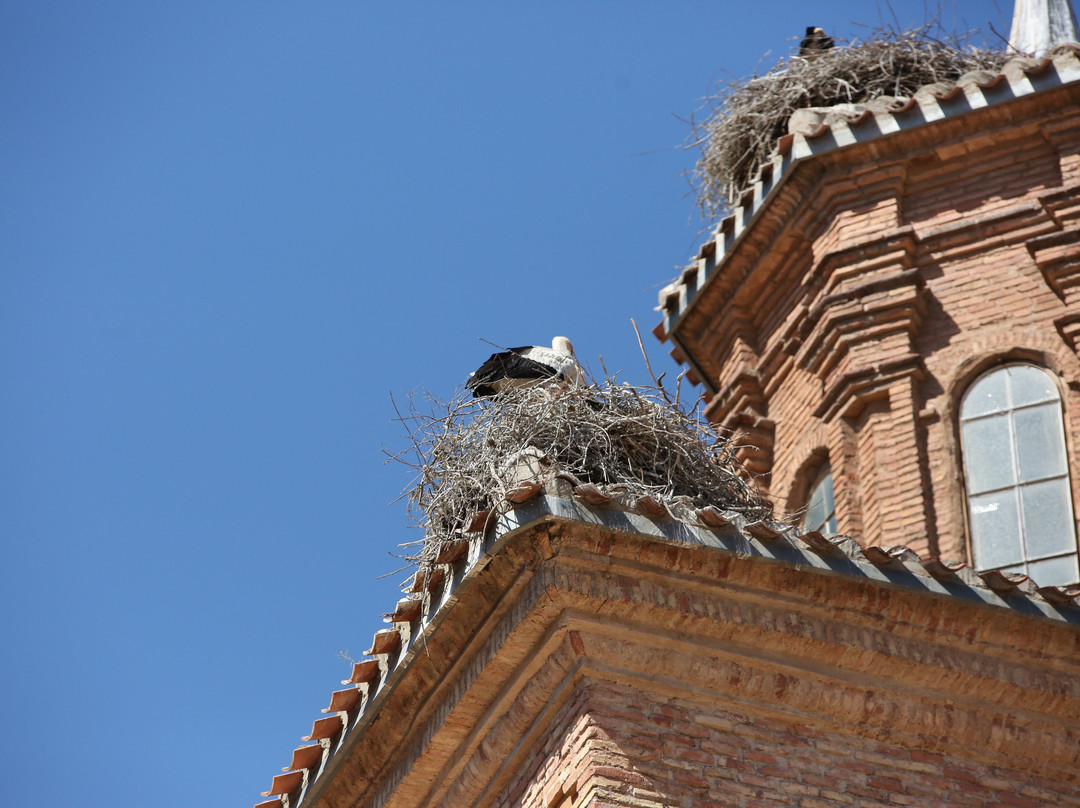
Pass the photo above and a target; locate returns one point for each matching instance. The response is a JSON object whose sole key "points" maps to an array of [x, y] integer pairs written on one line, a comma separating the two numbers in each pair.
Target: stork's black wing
{"points": [[507, 365]]}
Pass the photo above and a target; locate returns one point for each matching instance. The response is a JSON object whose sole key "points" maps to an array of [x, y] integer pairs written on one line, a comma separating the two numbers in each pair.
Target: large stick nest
{"points": [[469, 454], [744, 118]]}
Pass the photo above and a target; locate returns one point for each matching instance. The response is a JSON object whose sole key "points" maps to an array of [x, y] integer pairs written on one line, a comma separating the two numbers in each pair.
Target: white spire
{"points": [[1039, 25]]}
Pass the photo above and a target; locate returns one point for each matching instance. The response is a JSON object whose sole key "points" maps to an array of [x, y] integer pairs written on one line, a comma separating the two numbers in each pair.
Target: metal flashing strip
{"points": [[837, 555]]}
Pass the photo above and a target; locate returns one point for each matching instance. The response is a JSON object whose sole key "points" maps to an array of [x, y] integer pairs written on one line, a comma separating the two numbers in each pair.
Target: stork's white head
{"points": [[561, 345]]}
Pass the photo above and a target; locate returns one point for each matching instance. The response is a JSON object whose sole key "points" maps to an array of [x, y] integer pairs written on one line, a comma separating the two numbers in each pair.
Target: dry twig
{"points": [[633, 441]]}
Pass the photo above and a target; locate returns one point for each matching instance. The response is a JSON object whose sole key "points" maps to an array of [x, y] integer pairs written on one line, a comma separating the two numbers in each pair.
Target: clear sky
{"points": [[228, 231]]}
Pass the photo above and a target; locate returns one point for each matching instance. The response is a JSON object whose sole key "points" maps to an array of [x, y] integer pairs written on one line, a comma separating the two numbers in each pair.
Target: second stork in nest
{"points": [[815, 42]]}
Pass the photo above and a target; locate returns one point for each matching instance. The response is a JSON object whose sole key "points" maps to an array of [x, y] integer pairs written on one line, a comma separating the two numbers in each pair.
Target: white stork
{"points": [[527, 366]]}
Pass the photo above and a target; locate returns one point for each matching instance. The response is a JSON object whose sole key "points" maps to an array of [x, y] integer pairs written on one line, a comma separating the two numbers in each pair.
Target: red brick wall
{"points": [[553, 768], [617, 745]]}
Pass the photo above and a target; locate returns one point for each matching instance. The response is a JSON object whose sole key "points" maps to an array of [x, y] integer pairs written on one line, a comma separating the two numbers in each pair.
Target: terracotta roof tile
{"points": [[306, 757], [712, 516], [328, 727], [650, 507], [764, 532], [829, 545], [1061, 595], [479, 523], [407, 610], [591, 494], [942, 569], [364, 671], [384, 642], [343, 700], [427, 580], [898, 556], [285, 783], [523, 492], [1006, 582], [451, 551]]}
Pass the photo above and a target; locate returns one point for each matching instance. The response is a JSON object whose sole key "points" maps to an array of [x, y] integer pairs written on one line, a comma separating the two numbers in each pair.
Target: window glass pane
{"points": [[1040, 442], [1028, 385], [1048, 523], [987, 395], [815, 515], [826, 488], [821, 510], [1055, 571], [988, 459], [995, 530]]}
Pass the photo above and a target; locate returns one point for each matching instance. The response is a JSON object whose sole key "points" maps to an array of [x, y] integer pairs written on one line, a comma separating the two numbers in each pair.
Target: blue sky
{"points": [[228, 231]]}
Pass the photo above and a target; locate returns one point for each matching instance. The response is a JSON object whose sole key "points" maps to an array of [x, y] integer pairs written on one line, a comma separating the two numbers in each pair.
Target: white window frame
{"points": [[1000, 488]]}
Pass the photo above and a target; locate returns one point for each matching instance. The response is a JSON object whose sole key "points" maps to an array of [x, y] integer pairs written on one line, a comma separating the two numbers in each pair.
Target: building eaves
{"points": [[1018, 78], [351, 710]]}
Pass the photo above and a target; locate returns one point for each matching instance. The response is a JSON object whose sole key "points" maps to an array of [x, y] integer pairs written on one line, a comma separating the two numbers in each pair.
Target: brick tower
{"points": [[890, 320]]}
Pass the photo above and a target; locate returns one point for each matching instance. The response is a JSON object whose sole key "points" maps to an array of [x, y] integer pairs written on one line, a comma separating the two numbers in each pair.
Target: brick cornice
{"points": [[866, 312], [1058, 257], [742, 394], [849, 392], [561, 602], [741, 411], [1057, 252], [869, 295], [978, 234]]}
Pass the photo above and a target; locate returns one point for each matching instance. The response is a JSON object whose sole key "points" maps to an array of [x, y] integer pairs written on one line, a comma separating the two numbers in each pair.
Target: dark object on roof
{"points": [[815, 41], [526, 366]]}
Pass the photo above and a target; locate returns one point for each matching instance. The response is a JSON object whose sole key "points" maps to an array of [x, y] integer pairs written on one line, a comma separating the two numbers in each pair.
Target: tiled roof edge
{"points": [[897, 565], [1019, 77], [350, 710]]}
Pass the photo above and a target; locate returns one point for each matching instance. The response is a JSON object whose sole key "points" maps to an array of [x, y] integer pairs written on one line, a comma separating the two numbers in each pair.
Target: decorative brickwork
{"points": [[619, 745]]}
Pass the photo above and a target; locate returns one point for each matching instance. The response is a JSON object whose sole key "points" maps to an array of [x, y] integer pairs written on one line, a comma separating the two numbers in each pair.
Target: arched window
{"points": [[820, 505], [1019, 498]]}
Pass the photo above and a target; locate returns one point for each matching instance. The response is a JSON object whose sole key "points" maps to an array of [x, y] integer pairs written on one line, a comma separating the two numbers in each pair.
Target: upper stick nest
{"points": [[745, 117], [468, 453]]}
